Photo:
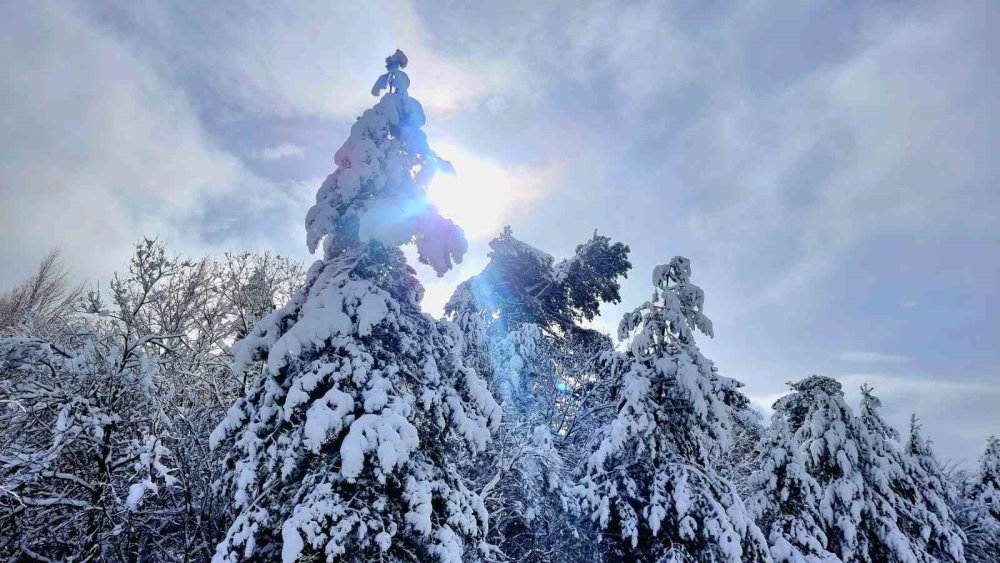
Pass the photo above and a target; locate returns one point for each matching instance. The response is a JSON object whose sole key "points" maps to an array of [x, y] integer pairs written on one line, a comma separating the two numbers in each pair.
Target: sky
{"points": [[829, 168]]}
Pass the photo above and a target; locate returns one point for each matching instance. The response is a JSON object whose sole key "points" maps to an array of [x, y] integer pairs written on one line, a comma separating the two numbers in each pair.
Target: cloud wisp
{"points": [[872, 358], [283, 150]]}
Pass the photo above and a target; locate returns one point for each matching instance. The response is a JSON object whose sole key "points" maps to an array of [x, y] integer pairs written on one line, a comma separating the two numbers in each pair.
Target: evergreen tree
{"points": [[520, 320], [978, 507], [988, 482], [900, 493], [524, 285], [939, 532], [867, 502], [523, 295], [346, 446], [784, 500], [649, 484], [859, 522], [741, 458]]}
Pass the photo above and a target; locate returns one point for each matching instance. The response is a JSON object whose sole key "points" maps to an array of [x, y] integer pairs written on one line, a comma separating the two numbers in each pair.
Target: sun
{"points": [[477, 197]]}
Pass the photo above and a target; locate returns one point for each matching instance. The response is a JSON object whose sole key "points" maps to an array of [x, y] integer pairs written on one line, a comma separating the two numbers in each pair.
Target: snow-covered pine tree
{"points": [[858, 468], [940, 532], [741, 458], [345, 448], [520, 317], [828, 435], [928, 528], [978, 506], [784, 500], [650, 485], [988, 485], [523, 295]]}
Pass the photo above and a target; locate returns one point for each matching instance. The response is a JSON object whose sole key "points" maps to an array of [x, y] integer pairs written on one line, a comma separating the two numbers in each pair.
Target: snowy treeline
{"points": [[242, 409], [108, 398]]}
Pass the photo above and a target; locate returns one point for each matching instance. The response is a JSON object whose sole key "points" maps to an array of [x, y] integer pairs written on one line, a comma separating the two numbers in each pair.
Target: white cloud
{"points": [[872, 357], [873, 144], [311, 58], [99, 141], [642, 45], [97, 149], [281, 151], [101, 144]]}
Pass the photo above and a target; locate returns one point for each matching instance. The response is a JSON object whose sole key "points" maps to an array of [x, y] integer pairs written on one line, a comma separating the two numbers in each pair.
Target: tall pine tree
{"points": [[346, 446], [870, 508], [944, 537], [827, 433], [978, 506], [520, 317], [784, 500], [650, 485], [901, 492]]}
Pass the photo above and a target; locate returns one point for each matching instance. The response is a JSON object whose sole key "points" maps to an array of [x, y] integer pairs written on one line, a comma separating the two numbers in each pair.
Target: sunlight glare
{"points": [[476, 197]]}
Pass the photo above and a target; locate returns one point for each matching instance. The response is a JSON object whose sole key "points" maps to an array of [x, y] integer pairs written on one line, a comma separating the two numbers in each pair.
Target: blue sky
{"points": [[829, 168]]}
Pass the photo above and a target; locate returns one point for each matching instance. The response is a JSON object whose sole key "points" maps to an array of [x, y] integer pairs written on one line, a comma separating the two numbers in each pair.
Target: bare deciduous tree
{"points": [[107, 402]]}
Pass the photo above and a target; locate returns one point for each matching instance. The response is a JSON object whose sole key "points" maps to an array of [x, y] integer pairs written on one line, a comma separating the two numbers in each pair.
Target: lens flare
{"points": [[477, 196]]}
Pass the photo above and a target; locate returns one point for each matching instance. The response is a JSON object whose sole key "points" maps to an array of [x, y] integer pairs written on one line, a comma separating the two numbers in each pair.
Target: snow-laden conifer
{"points": [[869, 506], [903, 494], [346, 445], [987, 486], [650, 485], [740, 459], [945, 539], [520, 317], [784, 499], [978, 505], [829, 437]]}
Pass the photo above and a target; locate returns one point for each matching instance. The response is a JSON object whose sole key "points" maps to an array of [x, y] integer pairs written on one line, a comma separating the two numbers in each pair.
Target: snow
{"points": [[687, 507], [390, 435], [137, 491], [372, 311], [328, 414], [353, 369], [291, 543], [418, 496]]}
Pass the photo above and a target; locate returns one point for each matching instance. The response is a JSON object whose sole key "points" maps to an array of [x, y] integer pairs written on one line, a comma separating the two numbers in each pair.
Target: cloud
{"points": [[97, 149], [283, 150], [255, 215], [109, 134], [786, 180], [309, 58], [717, 133], [872, 357], [642, 45]]}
